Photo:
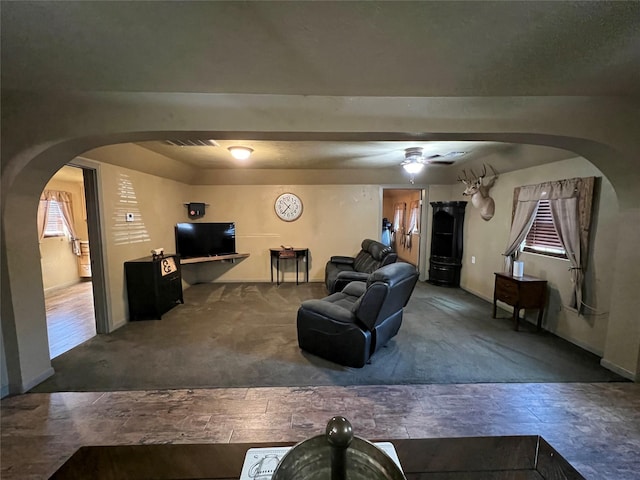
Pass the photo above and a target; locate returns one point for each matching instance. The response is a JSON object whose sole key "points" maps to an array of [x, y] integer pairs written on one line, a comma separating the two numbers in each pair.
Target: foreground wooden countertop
{"points": [[495, 458]]}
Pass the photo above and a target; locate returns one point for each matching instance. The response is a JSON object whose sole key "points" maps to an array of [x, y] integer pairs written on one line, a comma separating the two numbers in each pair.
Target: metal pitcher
{"points": [[337, 455]]}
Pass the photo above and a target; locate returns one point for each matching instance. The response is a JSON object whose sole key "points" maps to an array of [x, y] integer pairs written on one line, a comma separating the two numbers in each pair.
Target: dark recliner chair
{"points": [[342, 270], [348, 327]]}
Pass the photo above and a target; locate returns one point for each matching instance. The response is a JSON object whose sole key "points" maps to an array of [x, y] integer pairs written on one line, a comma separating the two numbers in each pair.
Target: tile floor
{"points": [[594, 426]]}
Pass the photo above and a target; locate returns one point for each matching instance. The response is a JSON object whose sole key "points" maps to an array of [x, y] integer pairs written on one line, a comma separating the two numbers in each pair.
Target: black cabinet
{"points": [[154, 286], [445, 261]]}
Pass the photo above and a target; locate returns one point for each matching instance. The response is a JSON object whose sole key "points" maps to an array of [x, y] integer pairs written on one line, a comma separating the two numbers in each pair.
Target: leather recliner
{"points": [[348, 327], [341, 270]]}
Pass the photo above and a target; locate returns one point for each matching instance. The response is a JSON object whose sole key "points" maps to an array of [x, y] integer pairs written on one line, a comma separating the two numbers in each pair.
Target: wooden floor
{"points": [[70, 317]]}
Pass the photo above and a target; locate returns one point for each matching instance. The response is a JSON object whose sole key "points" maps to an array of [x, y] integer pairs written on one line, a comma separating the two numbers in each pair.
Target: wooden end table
{"points": [[520, 292]]}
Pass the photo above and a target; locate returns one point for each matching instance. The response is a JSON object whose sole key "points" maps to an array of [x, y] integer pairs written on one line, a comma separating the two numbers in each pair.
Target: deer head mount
{"points": [[479, 192]]}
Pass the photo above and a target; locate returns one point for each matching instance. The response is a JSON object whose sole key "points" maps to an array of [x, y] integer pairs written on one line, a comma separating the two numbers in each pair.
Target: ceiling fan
{"points": [[415, 161]]}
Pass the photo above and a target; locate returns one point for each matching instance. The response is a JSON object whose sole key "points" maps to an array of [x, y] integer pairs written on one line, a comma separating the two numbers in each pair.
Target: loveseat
{"points": [[341, 270], [348, 327]]}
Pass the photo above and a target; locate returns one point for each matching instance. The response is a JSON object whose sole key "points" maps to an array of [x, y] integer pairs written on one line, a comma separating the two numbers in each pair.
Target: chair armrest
{"points": [[341, 259], [349, 276], [329, 310], [355, 289]]}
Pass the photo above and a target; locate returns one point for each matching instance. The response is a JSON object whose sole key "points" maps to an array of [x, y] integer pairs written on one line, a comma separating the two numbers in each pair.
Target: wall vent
{"points": [[192, 143]]}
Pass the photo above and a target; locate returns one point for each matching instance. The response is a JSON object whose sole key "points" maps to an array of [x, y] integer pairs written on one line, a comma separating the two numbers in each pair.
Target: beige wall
{"points": [[486, 240], [157, 206], [334, 221]]}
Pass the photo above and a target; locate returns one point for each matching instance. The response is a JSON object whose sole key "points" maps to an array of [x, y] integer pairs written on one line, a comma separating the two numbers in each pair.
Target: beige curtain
{"points": [[43, 216], [523, 218], [63, 199], [570, 202], [414, 208], [564, 212], [398, 223]]}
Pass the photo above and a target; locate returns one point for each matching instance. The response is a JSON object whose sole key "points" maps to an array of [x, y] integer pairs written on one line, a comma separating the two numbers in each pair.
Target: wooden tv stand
{"points": [[216, 258]]}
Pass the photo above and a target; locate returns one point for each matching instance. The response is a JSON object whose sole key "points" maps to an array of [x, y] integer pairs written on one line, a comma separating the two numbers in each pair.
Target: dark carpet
{"points": [[241, 335]]}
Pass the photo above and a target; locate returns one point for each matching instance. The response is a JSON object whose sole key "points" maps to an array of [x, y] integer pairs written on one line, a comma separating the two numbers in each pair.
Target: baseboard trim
{"points": [[26, 386], [623, 372], [568, 338]]}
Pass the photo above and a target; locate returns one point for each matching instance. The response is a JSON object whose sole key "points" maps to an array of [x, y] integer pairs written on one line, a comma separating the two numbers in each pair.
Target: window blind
{"points": [[543, 236], [55, 226]]}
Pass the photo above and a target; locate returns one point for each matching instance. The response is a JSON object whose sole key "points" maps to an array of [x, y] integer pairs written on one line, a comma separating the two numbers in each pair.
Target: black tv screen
{"points": [[205, 239]]}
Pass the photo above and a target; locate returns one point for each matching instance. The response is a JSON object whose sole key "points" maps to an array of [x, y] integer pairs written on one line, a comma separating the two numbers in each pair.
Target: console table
{"points": [[284, 254], [520, 292], [498, 458]]}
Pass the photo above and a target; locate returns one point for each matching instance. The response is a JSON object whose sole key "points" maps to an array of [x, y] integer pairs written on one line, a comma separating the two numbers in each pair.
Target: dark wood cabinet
{"points": [[445, 261], [154, 286]]}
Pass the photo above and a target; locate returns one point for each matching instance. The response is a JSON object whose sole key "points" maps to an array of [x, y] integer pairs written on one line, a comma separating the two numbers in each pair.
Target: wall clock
{"points": [[288, 207]]}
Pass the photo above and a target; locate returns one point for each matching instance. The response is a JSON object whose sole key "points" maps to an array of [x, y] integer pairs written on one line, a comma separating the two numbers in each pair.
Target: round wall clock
{"points": [[288, 207]]}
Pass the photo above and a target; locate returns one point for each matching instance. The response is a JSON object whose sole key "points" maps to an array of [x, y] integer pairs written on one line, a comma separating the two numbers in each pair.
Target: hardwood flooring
{"points": [[70, 317]]}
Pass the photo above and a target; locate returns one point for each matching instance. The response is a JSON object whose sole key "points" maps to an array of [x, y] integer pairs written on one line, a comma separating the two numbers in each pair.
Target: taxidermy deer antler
{"points": [[479, 192]]}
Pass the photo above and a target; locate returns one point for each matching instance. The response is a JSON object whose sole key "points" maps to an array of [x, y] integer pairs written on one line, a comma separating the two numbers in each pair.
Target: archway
{"points": [[101, 121]]}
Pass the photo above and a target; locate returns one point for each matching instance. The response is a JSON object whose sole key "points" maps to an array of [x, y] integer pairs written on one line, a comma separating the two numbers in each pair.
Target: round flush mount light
{"points": [[240, 153]]}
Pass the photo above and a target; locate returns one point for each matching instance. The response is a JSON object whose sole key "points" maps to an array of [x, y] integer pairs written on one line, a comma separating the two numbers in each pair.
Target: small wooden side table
{"points": [[520, 292], [293, 253]]}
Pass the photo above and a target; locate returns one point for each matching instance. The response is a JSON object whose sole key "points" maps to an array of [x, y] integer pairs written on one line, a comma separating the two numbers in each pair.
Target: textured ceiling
{"points": [[367, 48], [364, 48], [317, 154]]}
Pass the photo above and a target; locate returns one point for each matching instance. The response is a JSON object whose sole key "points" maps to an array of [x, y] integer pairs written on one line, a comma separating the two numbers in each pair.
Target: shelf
{"points": [[216, 258]]}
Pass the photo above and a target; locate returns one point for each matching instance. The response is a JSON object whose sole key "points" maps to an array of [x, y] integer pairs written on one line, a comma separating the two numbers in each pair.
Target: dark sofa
{"points": [[340, 270], [348, 327]]}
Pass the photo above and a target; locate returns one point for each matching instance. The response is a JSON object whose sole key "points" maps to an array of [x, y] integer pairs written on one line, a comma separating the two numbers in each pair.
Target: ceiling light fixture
{"points": [[413, 162], [240, 153]]}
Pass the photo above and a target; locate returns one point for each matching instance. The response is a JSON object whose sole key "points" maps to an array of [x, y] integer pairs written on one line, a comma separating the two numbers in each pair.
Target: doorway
{"points": [[65, 253], [403, 210]]}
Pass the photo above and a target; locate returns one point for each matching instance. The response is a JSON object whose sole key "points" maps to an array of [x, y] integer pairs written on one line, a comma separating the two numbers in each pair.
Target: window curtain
{"points": [[414, 208], [63, 199], [398, 223], [570, 202]]}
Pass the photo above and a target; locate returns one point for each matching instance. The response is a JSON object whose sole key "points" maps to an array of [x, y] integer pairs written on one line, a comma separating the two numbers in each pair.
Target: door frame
{"points": [[422, 242], [91, 176]]}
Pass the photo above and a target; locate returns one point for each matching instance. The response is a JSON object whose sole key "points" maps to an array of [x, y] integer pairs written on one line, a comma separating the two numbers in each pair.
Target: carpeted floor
{"points": [[240, 335]]}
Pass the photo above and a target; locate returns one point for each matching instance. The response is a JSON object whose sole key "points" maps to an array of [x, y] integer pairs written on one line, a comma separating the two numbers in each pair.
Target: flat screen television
{"points": [[205, 239]]}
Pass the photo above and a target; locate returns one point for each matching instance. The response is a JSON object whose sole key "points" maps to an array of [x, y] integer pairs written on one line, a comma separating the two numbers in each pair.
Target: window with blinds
{"points": [[543, 237], [55, 226]]}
